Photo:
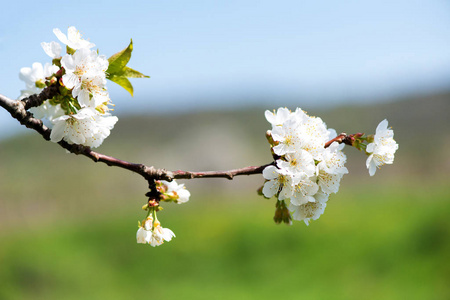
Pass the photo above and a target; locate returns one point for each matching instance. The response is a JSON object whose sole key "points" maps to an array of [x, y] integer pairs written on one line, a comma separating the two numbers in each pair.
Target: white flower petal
{"points": [[270, 188], [52, 49], [270, 172]]}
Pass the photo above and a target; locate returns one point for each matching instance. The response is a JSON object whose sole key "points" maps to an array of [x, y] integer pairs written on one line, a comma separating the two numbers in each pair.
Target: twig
{"points": [[36, 100], [341, 138]]}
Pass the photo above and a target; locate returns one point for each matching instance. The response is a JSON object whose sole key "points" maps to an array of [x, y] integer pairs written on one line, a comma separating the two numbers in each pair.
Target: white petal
{"points": [[372, 168], [70, 80], [52, 49], [68, 63], [58, 131], [270, 188], [168, 234], [382, 126], [141, 236], [61, 36], [270, 172], [270, 116]]}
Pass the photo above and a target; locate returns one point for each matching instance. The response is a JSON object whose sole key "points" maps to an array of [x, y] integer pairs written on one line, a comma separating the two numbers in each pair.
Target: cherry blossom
{"points": [[382, 149], [72, 39]]}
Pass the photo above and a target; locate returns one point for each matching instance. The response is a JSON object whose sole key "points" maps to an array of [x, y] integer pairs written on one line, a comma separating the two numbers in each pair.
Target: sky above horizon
{"points": [[231, 53]]}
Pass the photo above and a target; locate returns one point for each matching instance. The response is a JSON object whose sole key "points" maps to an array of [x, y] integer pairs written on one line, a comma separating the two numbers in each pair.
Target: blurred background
{"points": [[67, 225]]}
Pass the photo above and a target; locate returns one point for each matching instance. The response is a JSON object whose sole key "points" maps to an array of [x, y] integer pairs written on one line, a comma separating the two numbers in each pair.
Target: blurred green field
{"points": [[67, 225], [390, 243]]}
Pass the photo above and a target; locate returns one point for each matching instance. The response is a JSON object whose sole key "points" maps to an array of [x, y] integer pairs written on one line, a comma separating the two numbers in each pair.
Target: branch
{"points": [[36, 100], [217, 174], [18, 110], [341, 138]]}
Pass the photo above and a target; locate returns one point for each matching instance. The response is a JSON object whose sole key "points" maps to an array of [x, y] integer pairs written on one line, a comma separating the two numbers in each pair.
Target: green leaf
{"points": [[118, 71], [130, 73], [118, 61], [123, 82]]}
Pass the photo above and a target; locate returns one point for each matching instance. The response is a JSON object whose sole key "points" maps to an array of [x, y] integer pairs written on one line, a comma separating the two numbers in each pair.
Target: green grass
{"points": [[391, 243]]}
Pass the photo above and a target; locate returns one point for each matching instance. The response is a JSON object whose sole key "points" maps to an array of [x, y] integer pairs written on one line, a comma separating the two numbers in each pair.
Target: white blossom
{"points": [[143, 236], [103, 124], [304, 190], [329, 182], [382, 149], [36, 74], [298, 162], [34, 78], [287, 137], [279, 117], [310, 210], [314, 134], [72, 39], [332, 160], [331, 168], [279, 180], [85, 74], [159, 235], [177, 191], [87, 128], [152, 233]]}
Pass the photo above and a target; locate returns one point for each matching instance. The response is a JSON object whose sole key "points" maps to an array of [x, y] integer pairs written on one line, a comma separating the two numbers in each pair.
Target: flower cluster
{"points": [[381, 151], [79, 114], [309, 162], [305, 172], [150, 230]]}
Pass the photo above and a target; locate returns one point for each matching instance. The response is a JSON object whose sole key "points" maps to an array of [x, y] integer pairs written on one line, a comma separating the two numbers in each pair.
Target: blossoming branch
{"points": [[70, 96]]}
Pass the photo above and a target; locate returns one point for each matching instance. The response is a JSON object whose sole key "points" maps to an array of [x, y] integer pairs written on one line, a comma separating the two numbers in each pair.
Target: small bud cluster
{"points": [[79, 113], [150, 230]]}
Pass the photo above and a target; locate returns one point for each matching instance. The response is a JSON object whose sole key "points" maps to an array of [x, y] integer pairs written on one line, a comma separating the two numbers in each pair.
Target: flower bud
{"points": [[152, 203], [40, 84], [269, 137], [52, 80], [60, 73]]}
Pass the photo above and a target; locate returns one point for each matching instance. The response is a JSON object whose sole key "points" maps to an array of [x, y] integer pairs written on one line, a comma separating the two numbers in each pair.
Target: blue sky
{"points": [[230, 53]]}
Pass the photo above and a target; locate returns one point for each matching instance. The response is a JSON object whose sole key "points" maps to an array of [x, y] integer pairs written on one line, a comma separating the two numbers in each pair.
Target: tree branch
{"points": [[341, 138], [217, 174], [36, 100], [18, 110]]}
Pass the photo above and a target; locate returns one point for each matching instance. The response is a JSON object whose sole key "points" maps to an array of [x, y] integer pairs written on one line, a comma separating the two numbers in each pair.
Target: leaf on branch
{"points": [[118, 71], [119, 60], [123, 82], [130, 73]]}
